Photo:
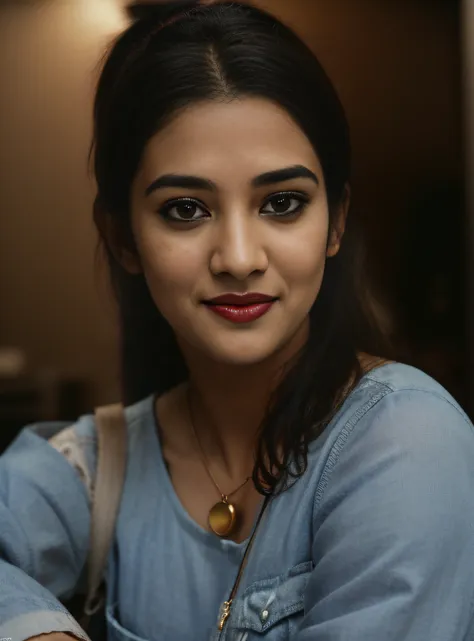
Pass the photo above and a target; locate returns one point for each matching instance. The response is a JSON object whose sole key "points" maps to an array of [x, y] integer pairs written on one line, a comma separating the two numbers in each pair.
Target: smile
{"points": [[241, 308]]}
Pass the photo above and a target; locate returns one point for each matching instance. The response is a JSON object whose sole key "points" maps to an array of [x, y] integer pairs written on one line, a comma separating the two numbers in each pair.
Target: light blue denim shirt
{"points": [[374, 543]]}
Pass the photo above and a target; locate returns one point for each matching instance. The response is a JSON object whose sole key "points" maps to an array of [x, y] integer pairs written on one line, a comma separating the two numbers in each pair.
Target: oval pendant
{"points": [[222, 518]]}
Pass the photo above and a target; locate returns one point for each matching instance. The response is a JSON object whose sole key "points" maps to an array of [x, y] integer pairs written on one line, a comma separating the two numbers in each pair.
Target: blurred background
{"points": [[403, 71]]}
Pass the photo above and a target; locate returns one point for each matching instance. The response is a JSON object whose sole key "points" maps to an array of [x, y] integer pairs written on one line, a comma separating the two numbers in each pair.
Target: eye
{"points": [[183, 210], [285, 204]]}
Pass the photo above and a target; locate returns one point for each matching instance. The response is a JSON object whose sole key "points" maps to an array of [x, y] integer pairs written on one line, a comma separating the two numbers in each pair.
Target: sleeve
{"points": [[44, 536], [394, 529]]}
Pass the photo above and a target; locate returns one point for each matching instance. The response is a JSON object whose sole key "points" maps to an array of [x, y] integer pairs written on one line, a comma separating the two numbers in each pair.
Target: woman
{"points": [[222, 160]]}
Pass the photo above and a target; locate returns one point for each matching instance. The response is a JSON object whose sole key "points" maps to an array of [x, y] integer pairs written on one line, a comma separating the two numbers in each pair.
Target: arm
{"points": [[44, 534], [394, 531]]}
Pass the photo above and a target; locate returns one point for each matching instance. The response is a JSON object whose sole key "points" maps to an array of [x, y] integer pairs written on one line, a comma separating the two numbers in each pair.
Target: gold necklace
{"points": [[222, 517]]}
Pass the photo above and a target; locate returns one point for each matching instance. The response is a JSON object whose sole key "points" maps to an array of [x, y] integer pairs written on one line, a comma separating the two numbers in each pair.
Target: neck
{"points": [[229, 403]]}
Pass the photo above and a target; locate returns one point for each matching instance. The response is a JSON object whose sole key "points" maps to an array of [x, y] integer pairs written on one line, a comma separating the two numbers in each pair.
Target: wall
{"points": [[52, 303], [395, 64]]}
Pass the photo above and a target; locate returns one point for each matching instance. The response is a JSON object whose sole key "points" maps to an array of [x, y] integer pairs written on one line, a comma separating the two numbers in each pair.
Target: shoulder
{"points": [[397, 377], [399, 394], [78, 442], [399, 418], [402, 400], [399, 433], [397, 462]]}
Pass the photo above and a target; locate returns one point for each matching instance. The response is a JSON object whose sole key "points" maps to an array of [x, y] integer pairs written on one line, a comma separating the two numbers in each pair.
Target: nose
{"points": [[238, 248]]}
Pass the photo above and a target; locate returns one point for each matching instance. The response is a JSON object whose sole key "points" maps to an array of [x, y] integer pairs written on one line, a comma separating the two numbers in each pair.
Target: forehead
{"points": [[228, 140]]}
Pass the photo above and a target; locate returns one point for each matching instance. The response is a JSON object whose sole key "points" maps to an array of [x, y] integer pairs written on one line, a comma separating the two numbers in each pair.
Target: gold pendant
{"points": [[222, 518], [224, 614]]}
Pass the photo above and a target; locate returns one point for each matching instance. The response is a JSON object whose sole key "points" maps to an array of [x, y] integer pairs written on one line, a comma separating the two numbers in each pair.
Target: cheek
{"points": [[304, 256], [168, 265]]}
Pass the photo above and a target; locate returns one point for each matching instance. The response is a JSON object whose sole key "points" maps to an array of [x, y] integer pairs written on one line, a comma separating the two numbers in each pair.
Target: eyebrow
{"points": [[280, 175], [195, 182]]}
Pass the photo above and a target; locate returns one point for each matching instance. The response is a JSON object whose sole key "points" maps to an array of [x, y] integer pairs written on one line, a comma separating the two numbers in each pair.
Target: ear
{"points": [[119, 241], [338, 224], [129, 261]]}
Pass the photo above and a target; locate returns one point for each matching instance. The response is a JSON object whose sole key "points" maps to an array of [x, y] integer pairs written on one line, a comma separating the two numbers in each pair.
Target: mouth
{"points": [[241, 308]]}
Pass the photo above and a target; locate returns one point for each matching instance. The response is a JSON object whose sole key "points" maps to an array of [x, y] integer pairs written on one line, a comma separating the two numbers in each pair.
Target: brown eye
{"points": [[284, 204], [183, 211], [281, 204]]}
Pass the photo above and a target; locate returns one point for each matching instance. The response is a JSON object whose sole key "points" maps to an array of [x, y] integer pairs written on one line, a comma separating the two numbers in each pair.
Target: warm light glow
{"points": [[106, 16]]}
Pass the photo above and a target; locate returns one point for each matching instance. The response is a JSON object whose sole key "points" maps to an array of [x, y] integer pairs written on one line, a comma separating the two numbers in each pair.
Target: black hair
{"points": [[177, 54]]}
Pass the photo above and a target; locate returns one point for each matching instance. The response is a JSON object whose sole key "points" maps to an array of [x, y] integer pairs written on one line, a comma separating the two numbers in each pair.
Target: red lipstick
{"points": [[241, 308]]}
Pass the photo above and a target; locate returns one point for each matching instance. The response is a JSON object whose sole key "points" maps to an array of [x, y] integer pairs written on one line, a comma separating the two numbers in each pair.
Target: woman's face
{"points": [[230, 200]]}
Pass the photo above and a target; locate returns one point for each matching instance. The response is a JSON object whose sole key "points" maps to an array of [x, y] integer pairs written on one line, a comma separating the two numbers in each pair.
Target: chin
{"points": [[243, 347], [244, 353], [241, 360]]}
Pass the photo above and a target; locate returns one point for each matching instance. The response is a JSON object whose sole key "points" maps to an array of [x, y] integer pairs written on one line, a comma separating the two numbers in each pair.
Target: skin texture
{"points": [[237, 244]]}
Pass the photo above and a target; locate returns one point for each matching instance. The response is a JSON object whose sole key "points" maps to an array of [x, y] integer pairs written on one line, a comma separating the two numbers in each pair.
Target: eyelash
{"points": [[303, 199]]}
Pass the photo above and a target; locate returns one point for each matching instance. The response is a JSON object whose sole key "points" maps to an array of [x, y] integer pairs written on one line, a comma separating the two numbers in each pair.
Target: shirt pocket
{"points": [[115, 631], [272, 608]]}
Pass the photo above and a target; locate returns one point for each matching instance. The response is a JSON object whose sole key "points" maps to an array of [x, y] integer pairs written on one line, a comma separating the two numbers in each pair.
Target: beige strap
{"points": [[110, 475], [71, 446]]}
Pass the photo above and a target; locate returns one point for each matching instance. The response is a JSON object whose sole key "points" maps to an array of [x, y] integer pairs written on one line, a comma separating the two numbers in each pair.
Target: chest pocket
{"points": [[116, 632], [270, 608]]}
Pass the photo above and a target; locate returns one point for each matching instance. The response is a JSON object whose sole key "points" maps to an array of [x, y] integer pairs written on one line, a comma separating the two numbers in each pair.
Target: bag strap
{"points": [[110, 475]]}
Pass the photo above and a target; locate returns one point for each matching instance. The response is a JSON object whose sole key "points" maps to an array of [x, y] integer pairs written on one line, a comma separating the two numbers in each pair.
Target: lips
{"points": [[241, 308], [241, 299]]}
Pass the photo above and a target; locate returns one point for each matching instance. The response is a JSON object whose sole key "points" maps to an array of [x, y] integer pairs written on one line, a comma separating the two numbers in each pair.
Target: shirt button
{"points": [[264, 615]]}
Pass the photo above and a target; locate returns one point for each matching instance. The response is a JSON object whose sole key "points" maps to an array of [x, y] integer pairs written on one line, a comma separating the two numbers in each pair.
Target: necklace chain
{"points": [[204, 458]]}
